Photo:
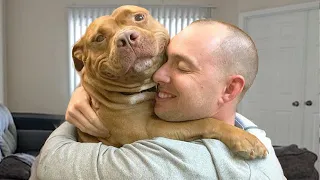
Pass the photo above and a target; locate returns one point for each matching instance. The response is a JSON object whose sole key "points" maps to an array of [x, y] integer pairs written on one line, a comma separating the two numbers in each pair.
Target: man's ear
{"points": [[234, 87], [78, 56]]}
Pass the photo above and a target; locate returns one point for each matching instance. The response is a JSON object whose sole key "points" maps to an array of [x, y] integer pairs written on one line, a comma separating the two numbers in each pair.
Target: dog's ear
{"points": [[78, 56]]}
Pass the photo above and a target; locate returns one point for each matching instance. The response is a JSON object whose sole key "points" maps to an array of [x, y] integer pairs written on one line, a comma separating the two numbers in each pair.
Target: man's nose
{"points": [[162, 75]]}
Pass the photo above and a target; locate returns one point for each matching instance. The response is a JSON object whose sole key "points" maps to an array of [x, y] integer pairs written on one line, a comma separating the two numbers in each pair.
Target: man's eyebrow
{"points": [[187, 59]]}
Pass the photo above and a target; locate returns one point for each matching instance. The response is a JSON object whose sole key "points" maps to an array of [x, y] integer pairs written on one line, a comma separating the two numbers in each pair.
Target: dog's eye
{"points": [[100, 38], [138, 17]]}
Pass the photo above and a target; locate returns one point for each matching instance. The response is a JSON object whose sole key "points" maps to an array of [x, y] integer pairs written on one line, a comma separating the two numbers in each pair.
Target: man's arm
{"points": [[63, 158]]}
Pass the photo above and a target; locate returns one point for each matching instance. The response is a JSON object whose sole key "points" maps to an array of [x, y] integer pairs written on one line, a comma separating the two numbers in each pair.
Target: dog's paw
{"points": [[248, 146]]}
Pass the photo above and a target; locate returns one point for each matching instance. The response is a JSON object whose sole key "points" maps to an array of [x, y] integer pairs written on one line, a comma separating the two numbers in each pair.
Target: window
{"points": [[174, 18]]}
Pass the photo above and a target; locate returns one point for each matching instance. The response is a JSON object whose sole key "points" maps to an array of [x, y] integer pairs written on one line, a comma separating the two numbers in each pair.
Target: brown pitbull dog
{"points": [[116, 59]]}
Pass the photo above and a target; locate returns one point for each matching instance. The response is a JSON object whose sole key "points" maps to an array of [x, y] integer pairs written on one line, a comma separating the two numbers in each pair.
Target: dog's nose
{"points": [[127, 38]]}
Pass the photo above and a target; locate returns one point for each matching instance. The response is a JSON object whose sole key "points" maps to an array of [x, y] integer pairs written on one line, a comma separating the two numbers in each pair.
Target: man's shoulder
{"points": [[229, 166], [205, 156]]}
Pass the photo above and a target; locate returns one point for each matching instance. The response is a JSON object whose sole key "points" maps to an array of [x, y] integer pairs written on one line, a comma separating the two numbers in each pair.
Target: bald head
{"points": [[236, 52]]}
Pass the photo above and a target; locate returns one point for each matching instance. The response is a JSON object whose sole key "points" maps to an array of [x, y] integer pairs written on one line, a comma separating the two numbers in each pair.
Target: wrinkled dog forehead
{"points": [[122, 17], [125, 15], [98, 24], [127, 10]]}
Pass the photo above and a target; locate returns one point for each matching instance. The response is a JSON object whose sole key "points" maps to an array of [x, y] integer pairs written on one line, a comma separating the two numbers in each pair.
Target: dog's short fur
{"points": [[116, 59]]}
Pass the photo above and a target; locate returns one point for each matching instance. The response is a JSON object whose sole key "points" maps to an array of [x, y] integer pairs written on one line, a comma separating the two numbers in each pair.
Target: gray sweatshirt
{"points": [[160, 158]]}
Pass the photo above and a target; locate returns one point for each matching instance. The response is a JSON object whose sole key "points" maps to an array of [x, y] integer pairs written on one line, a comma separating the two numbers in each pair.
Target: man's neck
{"points": [[227, 114]]}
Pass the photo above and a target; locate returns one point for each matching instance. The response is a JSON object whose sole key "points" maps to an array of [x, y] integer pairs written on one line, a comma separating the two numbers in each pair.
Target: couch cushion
{"points": [[297, 163]]}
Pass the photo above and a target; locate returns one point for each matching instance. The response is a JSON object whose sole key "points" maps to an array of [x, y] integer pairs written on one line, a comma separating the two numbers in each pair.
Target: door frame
{"points": [[245, 16], [2, 54]]}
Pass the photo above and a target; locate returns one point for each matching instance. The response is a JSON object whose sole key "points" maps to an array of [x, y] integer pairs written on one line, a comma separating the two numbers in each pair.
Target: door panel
{"points": [[285, 63]]}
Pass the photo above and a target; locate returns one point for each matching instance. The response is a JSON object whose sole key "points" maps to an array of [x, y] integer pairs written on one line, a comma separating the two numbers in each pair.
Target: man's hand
{"points": [[81, 114]]}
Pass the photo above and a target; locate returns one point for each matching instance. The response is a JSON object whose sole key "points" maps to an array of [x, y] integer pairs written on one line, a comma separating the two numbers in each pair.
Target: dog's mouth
{"points": [[152, 89]]}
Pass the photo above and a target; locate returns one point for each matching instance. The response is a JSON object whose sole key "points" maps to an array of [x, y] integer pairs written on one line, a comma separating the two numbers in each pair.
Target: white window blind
{"points": [[174, 18]]}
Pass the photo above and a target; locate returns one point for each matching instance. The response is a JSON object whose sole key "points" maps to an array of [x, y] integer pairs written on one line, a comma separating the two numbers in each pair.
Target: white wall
{"points": [[250, 5], [37, 59], [2, 55], [229, 9]]}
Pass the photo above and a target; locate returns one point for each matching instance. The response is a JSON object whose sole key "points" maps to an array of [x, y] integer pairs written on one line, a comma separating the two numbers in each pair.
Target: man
{"points": [[210, 66]]}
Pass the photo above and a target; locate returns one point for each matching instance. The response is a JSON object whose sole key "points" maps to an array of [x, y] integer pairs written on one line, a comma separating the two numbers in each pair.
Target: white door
{"points": [[311, 98], [287, 78]]}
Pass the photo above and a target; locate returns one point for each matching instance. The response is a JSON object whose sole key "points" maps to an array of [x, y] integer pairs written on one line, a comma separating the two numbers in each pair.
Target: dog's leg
{"points": [[240, 142]]}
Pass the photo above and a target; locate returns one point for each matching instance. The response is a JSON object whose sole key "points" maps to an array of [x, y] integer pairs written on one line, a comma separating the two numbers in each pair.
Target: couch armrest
{"points": [[33, 129]]}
